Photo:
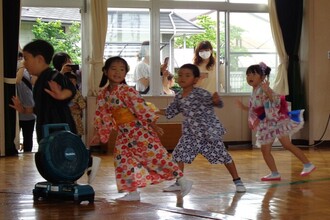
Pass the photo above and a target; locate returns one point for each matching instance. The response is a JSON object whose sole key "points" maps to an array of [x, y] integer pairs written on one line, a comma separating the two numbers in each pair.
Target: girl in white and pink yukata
{"points": [[139, 157], [269, 116]]}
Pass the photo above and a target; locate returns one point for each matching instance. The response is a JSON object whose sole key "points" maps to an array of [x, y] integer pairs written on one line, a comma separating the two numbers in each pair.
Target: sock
{"points": [[133, 193], [306, 165], [237, 181], [275, 173]]}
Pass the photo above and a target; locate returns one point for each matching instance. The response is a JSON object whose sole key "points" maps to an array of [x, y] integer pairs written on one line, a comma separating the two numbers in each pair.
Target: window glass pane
{"points": [[192, 1], [249, 44], [127, 29], [186, 40], [250, 1], [180, 32]]}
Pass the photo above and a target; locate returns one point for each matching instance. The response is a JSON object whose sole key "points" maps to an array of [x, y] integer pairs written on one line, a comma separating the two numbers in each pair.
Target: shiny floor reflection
{"points": [[212, 197]]}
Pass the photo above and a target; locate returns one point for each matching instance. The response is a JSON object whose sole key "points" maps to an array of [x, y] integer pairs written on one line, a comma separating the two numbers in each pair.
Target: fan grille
{"points": [[63, 158]]}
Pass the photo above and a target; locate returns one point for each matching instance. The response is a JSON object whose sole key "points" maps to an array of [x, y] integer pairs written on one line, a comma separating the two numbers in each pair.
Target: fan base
{"points": [[63, 191]]}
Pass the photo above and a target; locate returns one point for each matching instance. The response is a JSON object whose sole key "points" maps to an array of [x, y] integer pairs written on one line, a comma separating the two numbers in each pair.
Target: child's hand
{"points": [[254, 124], [55, 90], [216, 98], [240, 105], [157, 129], [17, 105], [95, 140], [66, 68], [75, 107], [265, 85], [160, 112]]}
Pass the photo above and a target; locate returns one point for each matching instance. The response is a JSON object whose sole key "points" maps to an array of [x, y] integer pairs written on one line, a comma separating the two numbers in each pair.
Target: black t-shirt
{"points": [[48, 109]]}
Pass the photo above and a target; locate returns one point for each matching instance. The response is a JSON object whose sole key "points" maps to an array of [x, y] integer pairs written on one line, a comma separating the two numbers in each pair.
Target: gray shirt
{"points": [[26, 97]]}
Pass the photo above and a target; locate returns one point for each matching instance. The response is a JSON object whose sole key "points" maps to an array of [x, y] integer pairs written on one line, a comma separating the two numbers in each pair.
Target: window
{"points": [[127, 30], [227, 24], [249, 44], [238, 29]]}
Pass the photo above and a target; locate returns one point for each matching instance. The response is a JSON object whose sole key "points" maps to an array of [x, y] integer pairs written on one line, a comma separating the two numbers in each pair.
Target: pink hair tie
{"points": [[263, 66]]}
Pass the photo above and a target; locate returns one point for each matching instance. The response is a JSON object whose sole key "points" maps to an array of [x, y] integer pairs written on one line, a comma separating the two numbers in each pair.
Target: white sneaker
{"points": [[271, 177], [92, 170], [132, 196], [173, 188], [240, 188], [186, 186], [307, 170]]}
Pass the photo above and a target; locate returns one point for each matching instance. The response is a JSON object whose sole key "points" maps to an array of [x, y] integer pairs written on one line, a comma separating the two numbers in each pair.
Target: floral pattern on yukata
{"points": [[139, 157], [276, 121], [78, 104], [201, 129]]}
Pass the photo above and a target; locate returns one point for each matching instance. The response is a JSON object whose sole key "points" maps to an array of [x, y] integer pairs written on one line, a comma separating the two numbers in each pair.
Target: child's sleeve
{"points": [[103, 118], [173, 109], [272, 108], [205, 97], [142, 110]]}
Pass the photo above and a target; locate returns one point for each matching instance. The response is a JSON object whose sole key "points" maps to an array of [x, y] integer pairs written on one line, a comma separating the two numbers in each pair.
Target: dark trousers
{"points": [[27, 131]]}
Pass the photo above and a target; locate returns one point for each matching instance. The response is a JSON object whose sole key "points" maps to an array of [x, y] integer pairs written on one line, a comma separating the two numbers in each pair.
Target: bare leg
{"points": [[286, 143], [231, 167], [181, 166], [268, 157]]}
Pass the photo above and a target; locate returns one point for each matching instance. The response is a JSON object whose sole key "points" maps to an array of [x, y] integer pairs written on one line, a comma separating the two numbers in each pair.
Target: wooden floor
{"points": [[212, 197]]}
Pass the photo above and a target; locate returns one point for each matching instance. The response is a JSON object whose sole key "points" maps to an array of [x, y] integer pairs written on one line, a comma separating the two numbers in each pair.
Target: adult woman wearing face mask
{"points": [[204, 59]]}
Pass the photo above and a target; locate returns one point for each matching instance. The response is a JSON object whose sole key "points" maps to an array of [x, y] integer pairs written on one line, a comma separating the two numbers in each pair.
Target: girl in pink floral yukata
{"points": [[139, 157], [268, 114]]}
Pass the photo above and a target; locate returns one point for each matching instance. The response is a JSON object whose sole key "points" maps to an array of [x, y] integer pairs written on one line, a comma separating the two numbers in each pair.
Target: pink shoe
{"points": [[307, 170], [271, 177]]}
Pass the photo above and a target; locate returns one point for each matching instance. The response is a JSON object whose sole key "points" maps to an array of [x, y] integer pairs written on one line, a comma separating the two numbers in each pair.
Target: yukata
{"points": [[201, 129], [139, 157], [271, 119], [77, 105]]}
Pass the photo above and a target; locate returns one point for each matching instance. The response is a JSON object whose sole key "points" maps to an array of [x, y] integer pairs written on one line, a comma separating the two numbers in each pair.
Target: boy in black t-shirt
{"points": [[52, 92]]}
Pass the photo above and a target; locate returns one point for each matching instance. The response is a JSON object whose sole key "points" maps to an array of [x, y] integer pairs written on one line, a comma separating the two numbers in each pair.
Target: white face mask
{"points": [[205, 54]]}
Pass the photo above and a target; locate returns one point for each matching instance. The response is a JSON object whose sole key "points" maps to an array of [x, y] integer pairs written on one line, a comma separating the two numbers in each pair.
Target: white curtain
{"points": [[281, 85], [99, 25]]}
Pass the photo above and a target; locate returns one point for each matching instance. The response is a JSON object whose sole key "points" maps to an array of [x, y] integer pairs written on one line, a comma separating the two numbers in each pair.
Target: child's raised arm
{"points": [[217, 100], [265, 87], [161, 111], [57, 92], [240, 105]]}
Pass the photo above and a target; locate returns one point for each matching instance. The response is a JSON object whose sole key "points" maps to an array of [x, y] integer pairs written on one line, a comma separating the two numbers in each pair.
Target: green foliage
{"points": [[62, 41], [209, 34], [209, 26]]}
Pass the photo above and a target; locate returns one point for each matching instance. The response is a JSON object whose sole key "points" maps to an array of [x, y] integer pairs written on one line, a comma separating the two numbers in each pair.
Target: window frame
{"points": [[154, 7]]}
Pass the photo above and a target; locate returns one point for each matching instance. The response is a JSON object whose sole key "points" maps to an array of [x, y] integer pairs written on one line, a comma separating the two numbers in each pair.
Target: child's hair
{"points": [[204, 45], [193, 68], [42, 48], [60, 59], [262, 69], [107, 65]]}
